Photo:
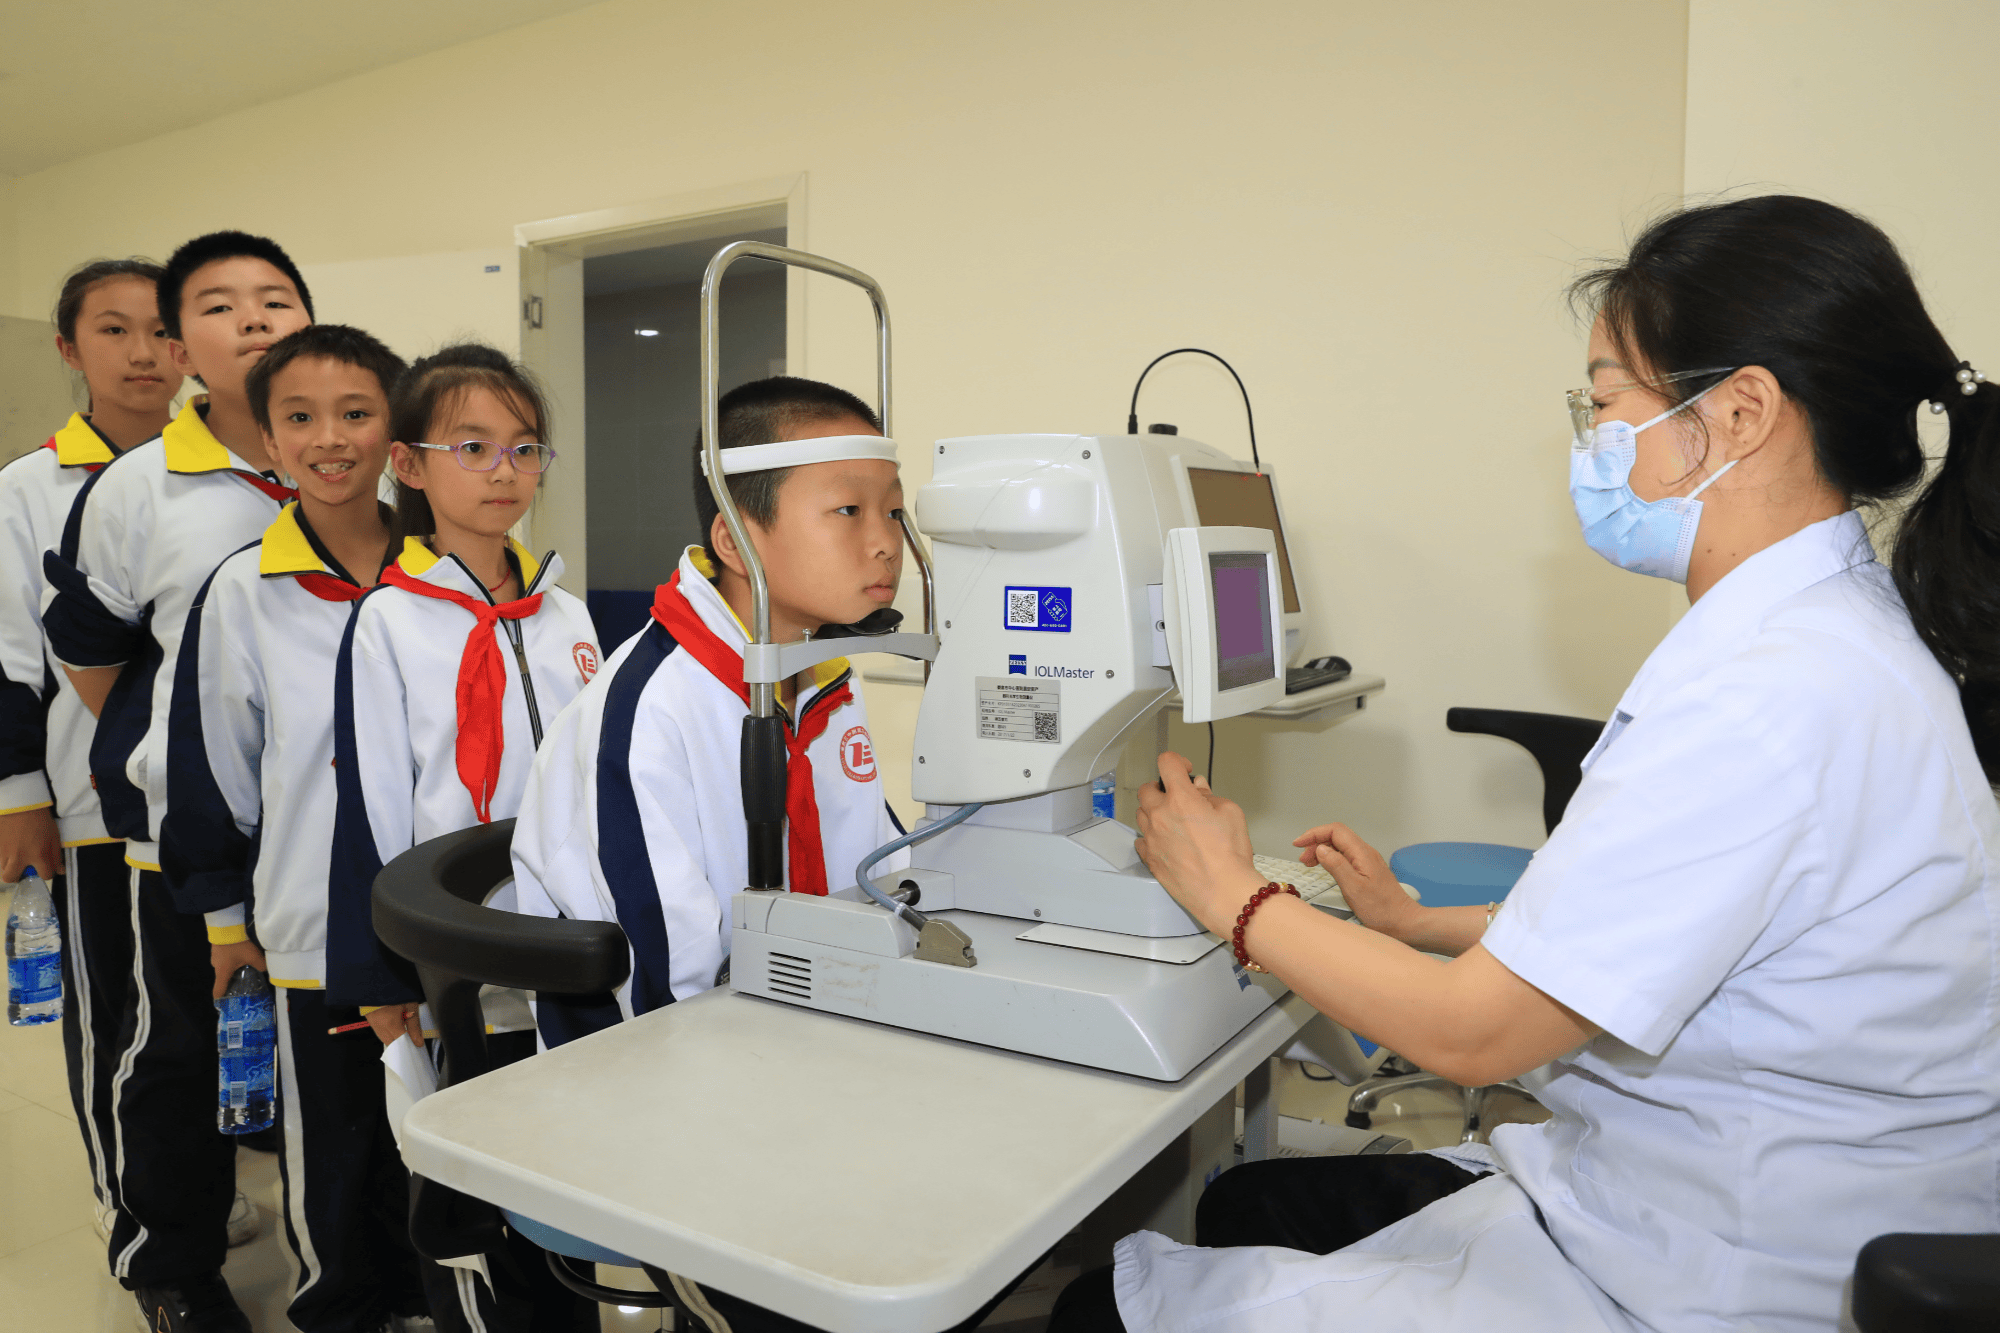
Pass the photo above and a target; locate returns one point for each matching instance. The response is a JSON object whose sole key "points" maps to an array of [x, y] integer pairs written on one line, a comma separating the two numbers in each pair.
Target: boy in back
{"points": [[142, 538], [634, 812]]}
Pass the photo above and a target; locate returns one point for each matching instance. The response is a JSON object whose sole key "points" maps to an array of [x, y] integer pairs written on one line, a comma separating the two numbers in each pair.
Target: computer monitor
{"points": [[1223, 493]]}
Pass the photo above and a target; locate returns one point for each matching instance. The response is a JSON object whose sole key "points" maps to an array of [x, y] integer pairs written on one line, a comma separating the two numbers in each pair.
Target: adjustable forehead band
{"points": [[797, 453]]}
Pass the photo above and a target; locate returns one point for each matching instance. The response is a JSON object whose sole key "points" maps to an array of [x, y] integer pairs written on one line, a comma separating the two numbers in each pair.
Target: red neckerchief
{"points": [[51, 447], [330, 589], [284, 495], [482, 685], [806, 853]]}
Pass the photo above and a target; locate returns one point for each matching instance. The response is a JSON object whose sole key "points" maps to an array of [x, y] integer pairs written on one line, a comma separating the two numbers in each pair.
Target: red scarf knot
{"points": [[806, 853], [482, 685]]}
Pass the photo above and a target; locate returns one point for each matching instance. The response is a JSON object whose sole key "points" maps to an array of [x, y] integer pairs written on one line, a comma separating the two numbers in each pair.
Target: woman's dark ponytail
{"points": [[1947, 560], [1821, 299]]}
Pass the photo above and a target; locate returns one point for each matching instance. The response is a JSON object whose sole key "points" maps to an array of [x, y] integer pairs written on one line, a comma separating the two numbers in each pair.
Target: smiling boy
{"points": [[251, 797], [143, 536], [634, 812]]}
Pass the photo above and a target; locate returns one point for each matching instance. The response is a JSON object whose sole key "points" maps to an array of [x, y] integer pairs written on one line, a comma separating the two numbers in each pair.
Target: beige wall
{"points": [[1887, 109], [1369, 208], [35, 386]]}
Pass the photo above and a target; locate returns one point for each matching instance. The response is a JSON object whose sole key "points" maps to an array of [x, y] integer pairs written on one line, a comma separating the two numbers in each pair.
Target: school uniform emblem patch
{"points": [[586, 659], [857, 755]]}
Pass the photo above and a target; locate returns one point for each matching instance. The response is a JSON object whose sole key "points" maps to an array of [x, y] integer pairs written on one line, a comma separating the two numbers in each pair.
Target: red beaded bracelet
{"points": [[1270, 890]]}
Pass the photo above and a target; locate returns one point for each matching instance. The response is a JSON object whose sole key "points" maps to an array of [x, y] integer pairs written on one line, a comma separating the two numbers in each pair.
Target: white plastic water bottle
{"points": [[1104, 795], [246, 1042], [34, 955]]}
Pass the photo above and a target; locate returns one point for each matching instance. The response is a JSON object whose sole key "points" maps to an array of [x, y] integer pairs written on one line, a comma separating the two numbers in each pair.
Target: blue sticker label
{"points": [[1017, 664], [1043, 609]]}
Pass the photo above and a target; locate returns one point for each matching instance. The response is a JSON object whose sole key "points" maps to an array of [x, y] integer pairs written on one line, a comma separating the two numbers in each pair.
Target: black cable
{"points": [[1132, 418], [1306, 1069], [1211, 756]]}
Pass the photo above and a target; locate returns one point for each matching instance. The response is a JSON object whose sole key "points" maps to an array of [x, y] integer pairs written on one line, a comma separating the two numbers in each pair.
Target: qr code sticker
{"points": [[1022, 607], [1046, 727]]}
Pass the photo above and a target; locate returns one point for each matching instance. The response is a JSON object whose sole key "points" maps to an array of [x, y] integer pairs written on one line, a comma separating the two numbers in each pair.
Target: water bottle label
{"points": [[239, 1096], [235, 1028], [35, 980]]}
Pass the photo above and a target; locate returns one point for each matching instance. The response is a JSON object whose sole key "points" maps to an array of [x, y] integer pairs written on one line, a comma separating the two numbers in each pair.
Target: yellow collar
{"points": [[285, 549], [418, 558], [77, 445], [823, 675], [191, 447]]}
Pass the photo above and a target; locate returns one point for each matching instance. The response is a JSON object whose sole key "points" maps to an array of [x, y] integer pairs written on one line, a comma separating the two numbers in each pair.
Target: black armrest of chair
{"points": [[1905, 1283], [428, 906], [1558, 744]]}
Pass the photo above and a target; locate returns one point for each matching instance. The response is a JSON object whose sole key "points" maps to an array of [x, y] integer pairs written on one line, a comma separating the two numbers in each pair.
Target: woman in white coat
{"points": [[1760, 950]]}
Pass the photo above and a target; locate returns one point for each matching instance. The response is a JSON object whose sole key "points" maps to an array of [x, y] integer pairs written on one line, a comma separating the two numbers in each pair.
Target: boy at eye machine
{"points": [[144, 535], [634, 813], [249, 828]]}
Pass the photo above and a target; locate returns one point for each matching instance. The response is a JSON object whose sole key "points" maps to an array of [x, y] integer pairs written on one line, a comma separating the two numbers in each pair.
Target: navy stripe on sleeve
{"points": [[621, 839], [207, 860], [83, 631], [24, 726], [359, 968], [80, 628], [121, 729]]}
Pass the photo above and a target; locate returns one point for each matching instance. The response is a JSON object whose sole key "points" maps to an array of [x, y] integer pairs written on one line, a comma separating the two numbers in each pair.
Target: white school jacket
{"points": [[1774, 891], [144, 536], [396, 736], [634, 812], [250, 781], [44, 728]]}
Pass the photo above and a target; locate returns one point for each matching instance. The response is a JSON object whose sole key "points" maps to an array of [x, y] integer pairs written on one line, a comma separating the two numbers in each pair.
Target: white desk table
{"points": [[861, 1178]]}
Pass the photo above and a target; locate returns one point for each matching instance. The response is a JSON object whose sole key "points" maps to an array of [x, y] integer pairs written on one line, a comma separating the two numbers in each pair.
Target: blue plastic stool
{"points": [[1460, 874]]}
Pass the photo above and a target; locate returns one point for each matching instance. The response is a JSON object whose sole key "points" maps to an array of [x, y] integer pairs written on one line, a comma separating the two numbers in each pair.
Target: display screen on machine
{"points": [[1243, 500], [1245, 638]]}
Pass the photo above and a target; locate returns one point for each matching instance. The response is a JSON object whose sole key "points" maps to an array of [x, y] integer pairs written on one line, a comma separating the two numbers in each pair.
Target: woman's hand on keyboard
{"points": [[1366, 882]]}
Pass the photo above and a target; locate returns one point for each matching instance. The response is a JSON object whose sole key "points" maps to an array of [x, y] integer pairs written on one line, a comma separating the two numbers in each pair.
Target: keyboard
{"points": [[1320, 671]]}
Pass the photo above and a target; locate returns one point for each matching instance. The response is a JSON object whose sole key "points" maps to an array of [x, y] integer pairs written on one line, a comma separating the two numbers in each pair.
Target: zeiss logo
{"points": [[1017, 664]]}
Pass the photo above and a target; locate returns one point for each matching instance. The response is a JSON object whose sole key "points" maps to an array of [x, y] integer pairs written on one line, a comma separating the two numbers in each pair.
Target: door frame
{"points": [[552, 252]]}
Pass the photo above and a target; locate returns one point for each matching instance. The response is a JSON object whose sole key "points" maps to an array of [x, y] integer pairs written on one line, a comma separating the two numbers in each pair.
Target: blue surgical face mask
{"points": [[1653, 537]]}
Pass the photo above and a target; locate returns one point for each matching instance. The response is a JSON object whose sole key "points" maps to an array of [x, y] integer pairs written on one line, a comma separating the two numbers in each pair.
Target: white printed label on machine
{"points": [[1019, 710]]}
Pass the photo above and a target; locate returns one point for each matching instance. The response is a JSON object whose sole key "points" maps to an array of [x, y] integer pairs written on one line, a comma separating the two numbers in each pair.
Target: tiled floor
{"points": [[52, 1265]]}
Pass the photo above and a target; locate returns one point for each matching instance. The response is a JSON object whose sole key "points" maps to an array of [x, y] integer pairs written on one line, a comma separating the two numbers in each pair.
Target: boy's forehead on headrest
{"points": [[797, 453]]}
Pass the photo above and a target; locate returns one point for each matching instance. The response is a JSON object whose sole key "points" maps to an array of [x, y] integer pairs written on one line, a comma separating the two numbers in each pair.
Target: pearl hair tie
{"points": [[1968, 381]]}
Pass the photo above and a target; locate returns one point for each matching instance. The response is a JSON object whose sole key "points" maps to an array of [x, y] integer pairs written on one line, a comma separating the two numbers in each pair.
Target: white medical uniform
{"points": [[1773, 891]]}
